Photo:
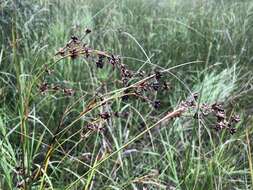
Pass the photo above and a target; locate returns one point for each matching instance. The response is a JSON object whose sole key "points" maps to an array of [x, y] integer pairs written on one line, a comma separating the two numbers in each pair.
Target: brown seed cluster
{"points": [[94, 127], [104, 116], [222, 122], [204, 110], [76, 48], [146, 89], [217, 110], [45, 87]]}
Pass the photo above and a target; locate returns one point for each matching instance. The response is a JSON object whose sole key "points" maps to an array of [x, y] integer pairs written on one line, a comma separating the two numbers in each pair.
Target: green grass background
{"points": [[215, 35]]}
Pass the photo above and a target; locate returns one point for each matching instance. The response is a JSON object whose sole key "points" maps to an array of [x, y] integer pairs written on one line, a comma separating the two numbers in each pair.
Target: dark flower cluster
{"points": [[91, 127], [76, 48], [204, 110], [107, 115], [222, 122], [94, 127], [45, 87], [145, 89], [217, 110]]}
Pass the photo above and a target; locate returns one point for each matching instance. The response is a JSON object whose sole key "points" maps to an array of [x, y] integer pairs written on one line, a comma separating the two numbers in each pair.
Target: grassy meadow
{"points": [[126, 94]]}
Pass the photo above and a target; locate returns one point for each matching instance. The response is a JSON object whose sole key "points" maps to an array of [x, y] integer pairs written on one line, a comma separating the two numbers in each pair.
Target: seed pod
{"points": [[105, 115], [87, 31], [232, 131], [74, 39], [158, 75], [155, 86], [236, 118], [86, 52], [157, 104], [100, 62], [73, 53], [217, 107], [220, 116], [68, 91], [125, 97], [43, 87]]}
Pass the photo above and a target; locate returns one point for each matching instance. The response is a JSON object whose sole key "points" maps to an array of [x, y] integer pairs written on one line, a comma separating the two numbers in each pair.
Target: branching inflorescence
{"points": [[76, 48], [134, 84]]}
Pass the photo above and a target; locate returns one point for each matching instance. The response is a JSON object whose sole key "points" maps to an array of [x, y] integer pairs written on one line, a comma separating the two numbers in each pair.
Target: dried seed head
{"points": [[232, 130], [68, 91], [126, 96], [158, 75], [43, 87], [155, 86], [217, 107], [94, 127], [157, 104], [86, 52], [236, 119], [87, 31], [74, 39], [220, 115], [125, 81], [100, 62], [73, 53], [105, 115], [91, 126]]}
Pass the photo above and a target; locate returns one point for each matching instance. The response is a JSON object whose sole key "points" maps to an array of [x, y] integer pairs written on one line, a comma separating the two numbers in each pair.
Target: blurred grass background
{"points": [[216, 35]]}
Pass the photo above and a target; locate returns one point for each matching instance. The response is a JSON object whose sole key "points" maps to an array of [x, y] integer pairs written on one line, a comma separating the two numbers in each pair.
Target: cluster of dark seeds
{"points": [[100, 62], [201, 111], [222, 122], [45, 87], [104, 116], [107, 115], [190, 102], [157, 104], [94, 127], [217, 110], [145, 90], [76, 48]]}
